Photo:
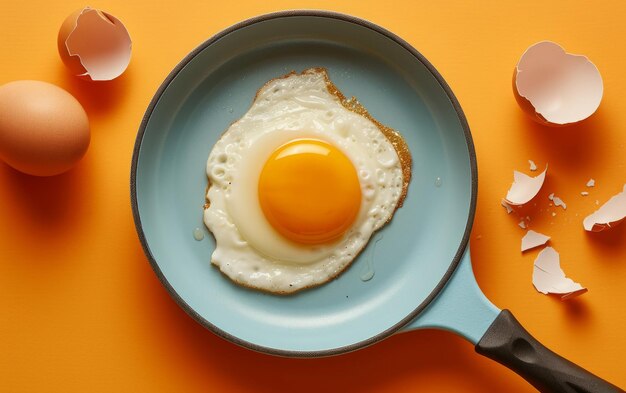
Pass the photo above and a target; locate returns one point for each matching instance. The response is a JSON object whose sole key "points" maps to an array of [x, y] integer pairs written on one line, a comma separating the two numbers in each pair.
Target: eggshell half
{"points": [[94, 45], [44, 130], [556, 88]]}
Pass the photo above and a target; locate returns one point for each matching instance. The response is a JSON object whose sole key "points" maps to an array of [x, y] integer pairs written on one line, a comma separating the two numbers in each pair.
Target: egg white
{"points": [[248, 249]]}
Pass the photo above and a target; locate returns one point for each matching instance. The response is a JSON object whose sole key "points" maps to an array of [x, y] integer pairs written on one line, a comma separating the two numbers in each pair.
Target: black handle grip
{"points": [[508, 343]]}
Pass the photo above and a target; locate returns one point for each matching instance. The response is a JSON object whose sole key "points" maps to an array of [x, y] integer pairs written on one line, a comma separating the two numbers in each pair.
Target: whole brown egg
{"points": [[44, 130]]}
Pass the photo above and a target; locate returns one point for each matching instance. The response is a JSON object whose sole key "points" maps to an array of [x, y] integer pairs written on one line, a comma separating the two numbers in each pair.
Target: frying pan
{"points": [[421, 262]]}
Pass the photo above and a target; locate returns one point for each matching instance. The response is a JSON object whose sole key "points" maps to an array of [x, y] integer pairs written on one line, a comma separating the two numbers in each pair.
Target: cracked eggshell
{"points": [[94, 45], [508, 207], [549, 278], [533, 239], [524, 187], [557, 201], [554, 87], [608, 215]]}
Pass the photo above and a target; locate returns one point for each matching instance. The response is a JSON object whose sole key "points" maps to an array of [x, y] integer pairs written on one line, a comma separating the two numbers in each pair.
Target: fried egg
{"points": [[298, 185]]}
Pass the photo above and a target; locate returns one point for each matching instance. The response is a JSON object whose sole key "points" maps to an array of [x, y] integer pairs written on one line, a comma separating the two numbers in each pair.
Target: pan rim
{"points": [[420, 307]]}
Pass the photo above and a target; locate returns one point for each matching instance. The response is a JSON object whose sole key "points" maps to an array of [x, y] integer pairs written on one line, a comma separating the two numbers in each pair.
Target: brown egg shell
{"points": [[571, 71], [83, 28], [71, 62], [527, 107]]}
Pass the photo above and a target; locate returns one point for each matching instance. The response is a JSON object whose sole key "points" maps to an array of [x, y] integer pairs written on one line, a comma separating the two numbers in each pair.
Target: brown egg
{"points": [[44, 130]]}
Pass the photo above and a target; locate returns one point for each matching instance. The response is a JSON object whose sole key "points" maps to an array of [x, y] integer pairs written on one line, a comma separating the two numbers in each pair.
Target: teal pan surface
{"points": [[414, 257]]}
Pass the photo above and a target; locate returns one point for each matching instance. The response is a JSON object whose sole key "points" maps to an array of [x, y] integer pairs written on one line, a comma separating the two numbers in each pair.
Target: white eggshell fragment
{"points": [[533, 166], [555, 87], [508, 207], [94, 45], [533, 239], [524, 187], [549, 278], [557, 201], [608, 215]]}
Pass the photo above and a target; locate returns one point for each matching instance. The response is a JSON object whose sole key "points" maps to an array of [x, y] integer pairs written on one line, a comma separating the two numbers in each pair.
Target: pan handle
{"points": [[508, 343]]}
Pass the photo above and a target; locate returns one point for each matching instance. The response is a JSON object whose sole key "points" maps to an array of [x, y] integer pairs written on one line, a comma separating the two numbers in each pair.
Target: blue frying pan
{"points": [[415, 273]]}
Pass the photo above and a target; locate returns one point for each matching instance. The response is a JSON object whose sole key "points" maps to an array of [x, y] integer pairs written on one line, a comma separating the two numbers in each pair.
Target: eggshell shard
{"points": [[557, 201], [608, 215], [508, 207], [94, 45], [549, 278], [524, 187], [533, 239], [554, 87]]}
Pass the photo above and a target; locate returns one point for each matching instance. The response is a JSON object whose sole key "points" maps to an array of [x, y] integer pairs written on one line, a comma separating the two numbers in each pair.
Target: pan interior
{"points": [[216, 87]]}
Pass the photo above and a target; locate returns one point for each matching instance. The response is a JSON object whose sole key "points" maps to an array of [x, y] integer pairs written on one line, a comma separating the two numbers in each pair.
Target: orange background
{"points": [[83, 311]]}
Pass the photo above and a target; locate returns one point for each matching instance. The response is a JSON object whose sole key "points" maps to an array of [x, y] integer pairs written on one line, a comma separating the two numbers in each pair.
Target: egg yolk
{"points": [[309, 191]]}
